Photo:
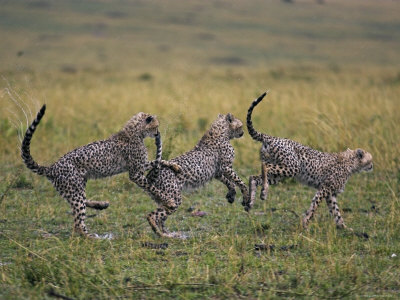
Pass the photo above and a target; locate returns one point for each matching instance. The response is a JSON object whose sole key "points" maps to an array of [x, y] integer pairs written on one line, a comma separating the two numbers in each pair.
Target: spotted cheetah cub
{"points": [[123, 151], [212, 157], [326, 172]]}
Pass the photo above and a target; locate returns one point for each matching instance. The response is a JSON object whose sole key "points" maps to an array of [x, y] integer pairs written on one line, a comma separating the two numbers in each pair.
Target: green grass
{"points": [[333, 71]]}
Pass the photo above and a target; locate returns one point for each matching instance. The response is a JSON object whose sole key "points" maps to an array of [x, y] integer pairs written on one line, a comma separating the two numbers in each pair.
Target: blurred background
{"points": [[99, 36], [333, 68]]}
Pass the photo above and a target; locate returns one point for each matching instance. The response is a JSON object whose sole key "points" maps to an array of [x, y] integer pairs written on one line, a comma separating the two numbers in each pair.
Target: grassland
{"points": [[334, 75]]}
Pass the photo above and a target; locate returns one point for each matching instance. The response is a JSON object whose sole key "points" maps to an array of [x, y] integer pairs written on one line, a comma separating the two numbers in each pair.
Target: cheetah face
{"points": [[150, 125], [364, 160], [142, 124], [235, 126]]}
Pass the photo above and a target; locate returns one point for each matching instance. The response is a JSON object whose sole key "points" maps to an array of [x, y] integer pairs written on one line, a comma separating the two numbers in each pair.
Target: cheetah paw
{"points": [[344, 226], [246, 206], [176, 168], [264, 194], [304, 223], [230, 196], [173, 166]]}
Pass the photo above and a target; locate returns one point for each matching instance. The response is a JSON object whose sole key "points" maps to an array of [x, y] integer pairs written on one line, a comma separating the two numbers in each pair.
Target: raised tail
{"points": [[158, 162], [25, 147], [254, 134], [158, 143]]}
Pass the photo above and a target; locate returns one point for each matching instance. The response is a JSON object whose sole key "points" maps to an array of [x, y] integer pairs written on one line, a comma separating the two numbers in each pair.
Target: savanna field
{"points": [[333, 71]]}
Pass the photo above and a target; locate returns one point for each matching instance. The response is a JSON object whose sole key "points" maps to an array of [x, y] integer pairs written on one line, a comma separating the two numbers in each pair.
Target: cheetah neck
{"points": [[349, 161], [122, 136]]}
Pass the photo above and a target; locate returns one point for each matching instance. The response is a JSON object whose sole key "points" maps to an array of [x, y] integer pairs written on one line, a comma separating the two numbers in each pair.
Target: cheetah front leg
{"points": [[265, 185], [74, 192], [321, 194], [334, 210], [230, 196], [230, 174]]}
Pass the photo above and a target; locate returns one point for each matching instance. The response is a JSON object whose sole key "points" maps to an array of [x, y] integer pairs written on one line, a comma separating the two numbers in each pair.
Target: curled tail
{"points": [[254, 134], [25, 147]]}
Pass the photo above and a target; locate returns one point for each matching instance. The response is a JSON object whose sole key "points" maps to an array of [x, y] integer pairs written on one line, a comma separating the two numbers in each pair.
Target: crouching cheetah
{"points": [[326, 172], [123, 151], [212, 157]]}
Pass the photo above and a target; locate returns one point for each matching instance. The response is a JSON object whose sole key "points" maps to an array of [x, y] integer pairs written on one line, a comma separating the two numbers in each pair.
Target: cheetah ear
{"points": [[360, 153], [229, 118]]}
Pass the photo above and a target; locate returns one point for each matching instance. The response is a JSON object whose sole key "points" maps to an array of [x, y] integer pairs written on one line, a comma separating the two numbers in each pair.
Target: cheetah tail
{"points": [[254, 134], [25, 147], [158, 143], [156, 169]]}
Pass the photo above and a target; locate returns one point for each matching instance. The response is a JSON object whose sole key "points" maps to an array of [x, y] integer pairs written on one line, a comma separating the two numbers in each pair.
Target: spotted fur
{"points": [[212, 157], [122, 152], [327, 172]]}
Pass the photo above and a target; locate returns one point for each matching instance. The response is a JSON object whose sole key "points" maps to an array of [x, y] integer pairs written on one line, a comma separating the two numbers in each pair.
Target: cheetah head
{"points": [[225, 126], [363, 160], [235, 126], [142, 124]]}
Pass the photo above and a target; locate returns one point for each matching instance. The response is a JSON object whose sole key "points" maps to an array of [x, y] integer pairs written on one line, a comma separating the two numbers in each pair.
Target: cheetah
{"points": [[212, 157], [327, 172], [122, 152]]}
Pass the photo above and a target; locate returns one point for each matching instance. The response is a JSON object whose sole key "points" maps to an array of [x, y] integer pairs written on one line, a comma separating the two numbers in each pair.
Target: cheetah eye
{"points": [[149, 119]]}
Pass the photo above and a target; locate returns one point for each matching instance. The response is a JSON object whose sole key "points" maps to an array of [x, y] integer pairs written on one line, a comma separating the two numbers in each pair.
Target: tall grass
{"points": [[328, 110]]}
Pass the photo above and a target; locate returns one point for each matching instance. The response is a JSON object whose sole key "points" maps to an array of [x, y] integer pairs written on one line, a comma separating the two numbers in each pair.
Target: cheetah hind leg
{"points": [[156, 220], [76, 197], [254, 181], [153, 219], [79, 211], [265, 186], [171, 206], [99, 205]]}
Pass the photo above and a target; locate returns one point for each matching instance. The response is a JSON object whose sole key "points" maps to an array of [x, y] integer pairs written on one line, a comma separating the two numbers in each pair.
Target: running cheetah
{"points": [[212, 157], [326, 172], [123, 151]]}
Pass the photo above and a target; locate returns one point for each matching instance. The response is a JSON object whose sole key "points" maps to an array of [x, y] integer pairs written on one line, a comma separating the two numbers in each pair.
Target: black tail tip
{"points": [[262, 96], [43, 109]]}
